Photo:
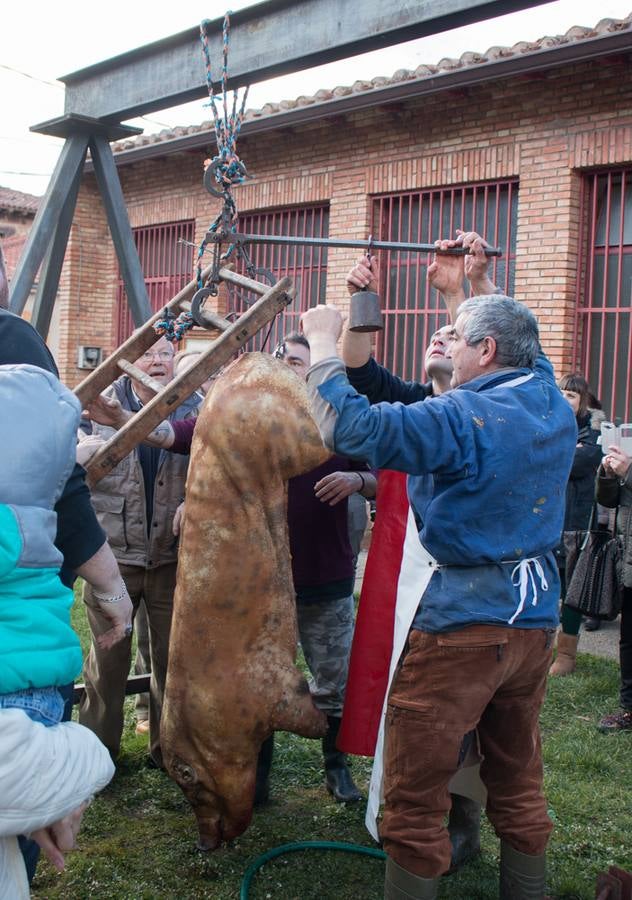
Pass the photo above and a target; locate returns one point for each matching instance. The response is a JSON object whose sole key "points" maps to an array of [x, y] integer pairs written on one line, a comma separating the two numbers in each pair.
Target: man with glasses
{"points": [[136, 504]]}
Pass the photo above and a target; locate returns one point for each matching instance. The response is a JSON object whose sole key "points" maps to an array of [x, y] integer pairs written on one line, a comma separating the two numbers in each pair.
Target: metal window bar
{"points": [[306, 265], [166, 263], [603, 322], [412, 311]]}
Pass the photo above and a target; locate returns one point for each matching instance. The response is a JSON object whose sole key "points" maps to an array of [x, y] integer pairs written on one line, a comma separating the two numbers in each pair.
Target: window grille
{"points": [[412, 311], [167, 267], [307, 266], [603, 334]]}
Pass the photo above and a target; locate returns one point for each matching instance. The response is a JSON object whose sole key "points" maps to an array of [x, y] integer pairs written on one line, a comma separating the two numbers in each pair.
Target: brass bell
{"points": [[365, 313]]}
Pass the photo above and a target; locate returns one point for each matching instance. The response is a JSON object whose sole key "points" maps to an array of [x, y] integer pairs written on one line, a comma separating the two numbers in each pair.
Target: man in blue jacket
{"points": [[498, 449]]}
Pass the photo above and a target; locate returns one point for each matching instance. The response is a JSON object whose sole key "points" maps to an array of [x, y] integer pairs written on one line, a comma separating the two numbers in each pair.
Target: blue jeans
{"points": [[43, 705], [48, 706]]}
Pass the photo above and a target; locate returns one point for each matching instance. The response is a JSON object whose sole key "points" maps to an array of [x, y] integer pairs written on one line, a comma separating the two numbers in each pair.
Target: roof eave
{"points": [[478, 73]]}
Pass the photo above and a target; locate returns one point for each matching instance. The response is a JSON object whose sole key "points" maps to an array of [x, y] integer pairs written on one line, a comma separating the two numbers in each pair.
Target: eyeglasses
{"points": [[164, 355]]}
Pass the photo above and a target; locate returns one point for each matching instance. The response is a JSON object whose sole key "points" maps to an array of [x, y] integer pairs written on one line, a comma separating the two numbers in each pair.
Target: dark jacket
{"points": [[581, 483]]}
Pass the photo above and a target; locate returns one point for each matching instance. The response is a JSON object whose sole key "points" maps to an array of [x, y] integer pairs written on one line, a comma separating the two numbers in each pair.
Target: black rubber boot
{"points": [[399, 884], [522, 877], [337, 775], [264, 764], [464, 827]]}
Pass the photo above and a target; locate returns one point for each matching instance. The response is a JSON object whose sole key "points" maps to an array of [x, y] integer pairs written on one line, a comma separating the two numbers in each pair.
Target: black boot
{"points": [[464, 827], [337, 775], [264, 764]]}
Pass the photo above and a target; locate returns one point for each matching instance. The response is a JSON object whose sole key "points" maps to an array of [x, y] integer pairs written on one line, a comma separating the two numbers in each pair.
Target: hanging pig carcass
{"points": [[232, 678]]}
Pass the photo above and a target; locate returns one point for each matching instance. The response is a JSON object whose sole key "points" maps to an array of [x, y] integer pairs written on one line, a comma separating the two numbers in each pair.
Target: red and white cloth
{"points": [[397, 572]]}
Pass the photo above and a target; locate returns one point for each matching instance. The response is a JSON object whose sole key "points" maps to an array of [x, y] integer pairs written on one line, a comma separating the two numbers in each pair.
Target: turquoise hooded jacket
{"points": [[38, 425]]}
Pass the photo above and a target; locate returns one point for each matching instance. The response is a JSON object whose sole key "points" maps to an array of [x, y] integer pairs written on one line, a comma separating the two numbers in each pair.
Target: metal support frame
{"points": [[53, 263], [272, 38], [267, 40], [48, 237], [116, 212], [46, 221]]}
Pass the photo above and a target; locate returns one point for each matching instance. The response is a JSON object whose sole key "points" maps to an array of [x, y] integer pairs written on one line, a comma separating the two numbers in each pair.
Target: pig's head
{"points": [[220, 792]]}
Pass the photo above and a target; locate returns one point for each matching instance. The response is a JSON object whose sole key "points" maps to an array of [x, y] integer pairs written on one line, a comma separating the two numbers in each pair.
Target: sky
{"points": [[41, 41]]}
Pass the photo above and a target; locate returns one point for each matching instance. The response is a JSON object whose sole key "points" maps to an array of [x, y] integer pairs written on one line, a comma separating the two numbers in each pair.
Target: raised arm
{"points": [[357, 345], [391, 436]]}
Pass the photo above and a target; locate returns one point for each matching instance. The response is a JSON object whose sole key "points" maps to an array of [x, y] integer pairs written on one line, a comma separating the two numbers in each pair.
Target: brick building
{"points": [[531, 145]]}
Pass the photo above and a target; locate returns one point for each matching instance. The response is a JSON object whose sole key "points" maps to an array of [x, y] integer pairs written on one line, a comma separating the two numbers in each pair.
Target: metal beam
{"points": [[118, 220], [70, 163], [51, 270], [267, 40]]}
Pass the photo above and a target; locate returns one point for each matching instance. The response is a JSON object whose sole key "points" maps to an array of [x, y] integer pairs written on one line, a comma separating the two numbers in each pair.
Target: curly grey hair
{"points": [[512, 325]]}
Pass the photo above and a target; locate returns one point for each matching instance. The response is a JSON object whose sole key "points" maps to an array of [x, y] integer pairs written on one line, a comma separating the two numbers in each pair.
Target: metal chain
{"points": [[226, 169]]}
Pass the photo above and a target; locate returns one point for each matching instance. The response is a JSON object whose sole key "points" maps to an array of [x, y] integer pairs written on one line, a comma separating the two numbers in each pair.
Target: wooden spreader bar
{"points": [[272, 300]]}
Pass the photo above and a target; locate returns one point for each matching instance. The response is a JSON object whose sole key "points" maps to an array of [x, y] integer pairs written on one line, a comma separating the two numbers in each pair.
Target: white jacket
{"points": [[45, 773]]}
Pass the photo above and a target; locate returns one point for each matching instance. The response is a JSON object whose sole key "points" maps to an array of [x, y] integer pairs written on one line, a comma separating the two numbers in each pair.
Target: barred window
{"points": [[167, 266], [412, 311]]}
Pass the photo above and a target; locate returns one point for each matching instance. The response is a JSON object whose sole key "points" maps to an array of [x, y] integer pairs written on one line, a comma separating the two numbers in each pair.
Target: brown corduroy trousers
{"points": [[491, 678]]}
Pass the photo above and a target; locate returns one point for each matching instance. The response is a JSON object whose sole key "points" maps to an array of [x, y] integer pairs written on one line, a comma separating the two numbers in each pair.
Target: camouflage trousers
{"points": [[326, 630]]}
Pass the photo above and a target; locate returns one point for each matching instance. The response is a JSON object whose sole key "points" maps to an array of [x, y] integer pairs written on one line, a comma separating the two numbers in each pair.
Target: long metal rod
{"points": [[214, 237]]}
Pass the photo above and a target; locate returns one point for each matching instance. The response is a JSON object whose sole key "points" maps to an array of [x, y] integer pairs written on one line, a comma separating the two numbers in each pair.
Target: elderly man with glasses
{"points": [[136, 504]]}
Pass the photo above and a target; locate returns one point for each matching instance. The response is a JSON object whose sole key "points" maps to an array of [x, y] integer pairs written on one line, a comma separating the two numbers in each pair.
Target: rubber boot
{"points": [[399, 884], [464, 828], [522, 877], [338, 778], [264, 764], [566, 653]]}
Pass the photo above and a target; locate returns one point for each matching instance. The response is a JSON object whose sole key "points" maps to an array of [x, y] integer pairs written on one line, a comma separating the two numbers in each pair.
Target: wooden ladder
{"points": [[272, 300]]}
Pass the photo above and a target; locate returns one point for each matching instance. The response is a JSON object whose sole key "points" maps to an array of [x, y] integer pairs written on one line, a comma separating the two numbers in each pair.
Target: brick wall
{"points": [[544, 129]]}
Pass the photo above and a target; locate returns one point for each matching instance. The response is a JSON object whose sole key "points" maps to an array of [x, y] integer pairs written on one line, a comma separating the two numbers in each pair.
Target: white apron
{"points": [[416, 571]]}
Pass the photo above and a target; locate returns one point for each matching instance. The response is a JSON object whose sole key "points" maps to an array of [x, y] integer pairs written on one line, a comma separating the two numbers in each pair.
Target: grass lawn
{"points": [[138, 839]]}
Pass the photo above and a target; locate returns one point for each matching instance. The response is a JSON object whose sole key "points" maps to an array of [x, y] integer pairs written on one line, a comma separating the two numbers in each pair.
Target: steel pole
{"points": [[404, 247]]}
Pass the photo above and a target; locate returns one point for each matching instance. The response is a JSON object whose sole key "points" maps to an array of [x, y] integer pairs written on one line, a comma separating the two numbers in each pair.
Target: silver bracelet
{"points": [[116, 599]]}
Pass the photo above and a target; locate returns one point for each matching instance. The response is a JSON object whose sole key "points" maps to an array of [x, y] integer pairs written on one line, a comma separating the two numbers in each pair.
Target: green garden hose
{"points": [[301, 845]]}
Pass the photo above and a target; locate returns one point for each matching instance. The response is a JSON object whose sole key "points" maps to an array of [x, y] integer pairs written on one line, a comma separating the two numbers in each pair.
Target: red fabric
{"points": [[373, 637]]}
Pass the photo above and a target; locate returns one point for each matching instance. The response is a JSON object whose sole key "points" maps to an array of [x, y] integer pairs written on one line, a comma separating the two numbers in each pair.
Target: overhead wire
{"points": [[55, 84]]}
